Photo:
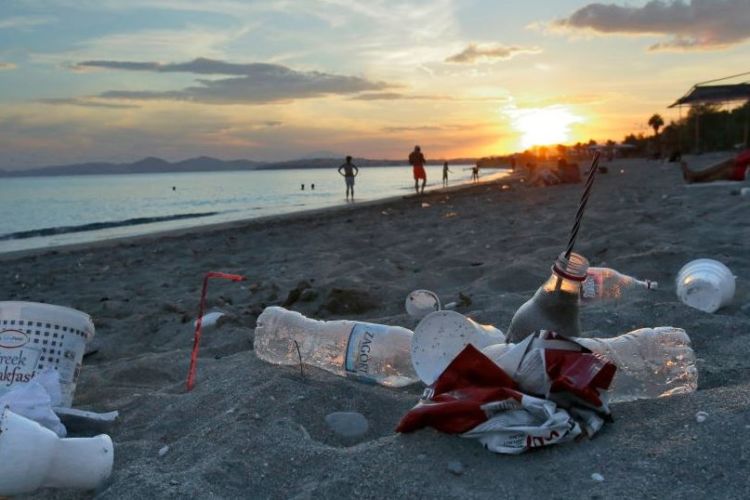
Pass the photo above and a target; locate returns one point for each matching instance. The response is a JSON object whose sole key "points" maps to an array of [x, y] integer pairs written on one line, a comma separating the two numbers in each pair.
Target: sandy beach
{"points": [[253, 430]]}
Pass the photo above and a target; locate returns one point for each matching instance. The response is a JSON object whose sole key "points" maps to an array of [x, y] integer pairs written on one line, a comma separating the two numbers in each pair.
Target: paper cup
{"points": [[420, 303], [36, 337], [705, 284], [441, 336]]}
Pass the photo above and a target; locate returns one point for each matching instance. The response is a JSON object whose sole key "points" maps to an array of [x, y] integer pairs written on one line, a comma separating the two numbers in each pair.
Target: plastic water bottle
{"points": [[554, 306], [651, 363], [604, 284], [369, 352]]}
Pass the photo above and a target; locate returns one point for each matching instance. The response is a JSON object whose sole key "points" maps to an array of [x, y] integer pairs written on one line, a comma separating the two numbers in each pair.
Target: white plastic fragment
{"points": [[597, 477], [701, 416], [35, 400], [210, 319]]}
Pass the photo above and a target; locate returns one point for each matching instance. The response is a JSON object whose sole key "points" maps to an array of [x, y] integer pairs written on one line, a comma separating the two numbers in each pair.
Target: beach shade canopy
{"points": [[704, 94]]}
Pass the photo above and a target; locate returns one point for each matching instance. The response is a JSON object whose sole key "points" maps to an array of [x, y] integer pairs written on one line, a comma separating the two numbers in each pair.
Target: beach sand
{"points": [[253, 430]]}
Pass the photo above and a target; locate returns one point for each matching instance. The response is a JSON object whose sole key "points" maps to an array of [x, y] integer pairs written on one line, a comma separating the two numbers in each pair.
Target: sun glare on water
{"points": [[544, 126]]}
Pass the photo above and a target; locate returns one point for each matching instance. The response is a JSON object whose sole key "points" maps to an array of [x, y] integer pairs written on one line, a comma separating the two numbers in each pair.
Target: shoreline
{"points": [[505, 176]]}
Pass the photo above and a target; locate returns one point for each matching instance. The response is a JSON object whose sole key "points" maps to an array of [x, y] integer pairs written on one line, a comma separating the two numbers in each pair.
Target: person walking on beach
{"points": [[445, 174], [475, 173], [417, 161], [350, 171]]}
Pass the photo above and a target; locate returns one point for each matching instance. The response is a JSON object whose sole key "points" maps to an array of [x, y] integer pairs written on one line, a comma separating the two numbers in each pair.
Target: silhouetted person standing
{"points": [[445, 174], [475, 173], [350, 171], [417, 161]]}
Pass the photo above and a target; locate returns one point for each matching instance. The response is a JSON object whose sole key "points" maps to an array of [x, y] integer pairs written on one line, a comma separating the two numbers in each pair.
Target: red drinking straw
{"points": [[199, 322]]}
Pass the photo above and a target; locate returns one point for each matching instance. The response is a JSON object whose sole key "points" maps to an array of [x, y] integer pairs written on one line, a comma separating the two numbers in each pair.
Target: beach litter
{"points": [[701, 417], [367, 352], [209, 320], [35, 457], [495, 403], [35, 400], [190, 383], [420, 303], [652, 362], [705, 284], [554, 306], [86, 422], [604, 284], [441, 335], [35, 337]]}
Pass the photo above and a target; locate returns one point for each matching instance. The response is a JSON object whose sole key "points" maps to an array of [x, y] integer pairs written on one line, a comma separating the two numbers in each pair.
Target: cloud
{"points": [[22, 22], [86, 103], [7, 66], [488, 52], [697, 24], [252, 83], [394, 96], [431, 128]]}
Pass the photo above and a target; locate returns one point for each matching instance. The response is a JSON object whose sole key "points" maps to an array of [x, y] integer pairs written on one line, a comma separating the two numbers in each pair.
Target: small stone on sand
{"points": [[347, 423], [455, 467]]}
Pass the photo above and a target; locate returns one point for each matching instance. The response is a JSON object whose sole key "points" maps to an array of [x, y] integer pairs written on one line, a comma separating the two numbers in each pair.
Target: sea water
{"points": [[40, 212]]}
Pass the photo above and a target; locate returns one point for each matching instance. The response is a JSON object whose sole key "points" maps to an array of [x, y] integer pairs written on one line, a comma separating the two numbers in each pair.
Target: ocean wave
{"points": [[94, 226]]}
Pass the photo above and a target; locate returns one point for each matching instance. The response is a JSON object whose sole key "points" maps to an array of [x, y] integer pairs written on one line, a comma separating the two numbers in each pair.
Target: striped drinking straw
{"points": [[582, 204]]}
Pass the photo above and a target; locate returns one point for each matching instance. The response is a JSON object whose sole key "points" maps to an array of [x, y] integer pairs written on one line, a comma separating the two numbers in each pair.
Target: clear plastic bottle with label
{"points": [[369, 352], [651, 363], [554, 306], [604, 284]]}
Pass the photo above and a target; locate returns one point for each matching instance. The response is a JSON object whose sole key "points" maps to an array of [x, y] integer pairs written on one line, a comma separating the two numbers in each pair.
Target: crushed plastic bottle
{"points": [[651, 363], [554, 306], [369, 352], [605, 284]]}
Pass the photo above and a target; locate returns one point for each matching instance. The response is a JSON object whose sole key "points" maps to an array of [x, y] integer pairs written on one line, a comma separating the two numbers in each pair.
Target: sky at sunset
{"points": [[117, 80]]}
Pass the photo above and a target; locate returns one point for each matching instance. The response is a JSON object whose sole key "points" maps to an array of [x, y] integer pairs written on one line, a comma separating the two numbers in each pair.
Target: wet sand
{"points": [[252, 430]]}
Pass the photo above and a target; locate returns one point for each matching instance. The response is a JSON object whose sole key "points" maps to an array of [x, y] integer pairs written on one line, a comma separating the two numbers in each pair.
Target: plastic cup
{"points": [[35, 337], [420, 303], [34, 457], [705, 284], [441, 336]]}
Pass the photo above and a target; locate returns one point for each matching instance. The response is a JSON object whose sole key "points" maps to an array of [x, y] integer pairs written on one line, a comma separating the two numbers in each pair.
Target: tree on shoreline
{"points": [[656, 122], [721, 129]]}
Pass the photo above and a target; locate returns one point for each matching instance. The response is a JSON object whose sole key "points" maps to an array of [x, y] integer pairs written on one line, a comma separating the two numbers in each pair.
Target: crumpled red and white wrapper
{"points": [[544, 390]]}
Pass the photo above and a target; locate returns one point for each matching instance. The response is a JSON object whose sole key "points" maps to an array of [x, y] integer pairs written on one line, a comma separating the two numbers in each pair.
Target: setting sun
{"points": [[544, 126]]}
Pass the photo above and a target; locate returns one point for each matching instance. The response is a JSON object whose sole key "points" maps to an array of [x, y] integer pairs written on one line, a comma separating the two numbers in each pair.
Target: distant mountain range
{"points": [[153, 165]]}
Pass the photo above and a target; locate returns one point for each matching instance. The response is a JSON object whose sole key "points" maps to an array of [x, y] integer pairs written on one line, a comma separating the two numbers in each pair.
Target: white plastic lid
{"points": [[420, 303], [441, 336]]}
